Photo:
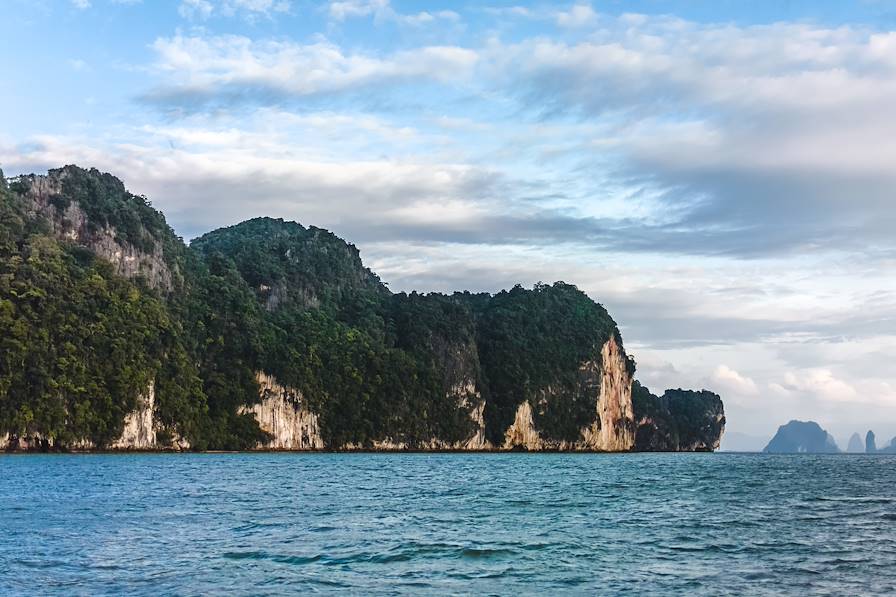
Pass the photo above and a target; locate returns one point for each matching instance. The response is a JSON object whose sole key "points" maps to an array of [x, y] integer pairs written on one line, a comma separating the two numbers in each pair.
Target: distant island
{"points": [[807, 437], [802, 437], [269, 335]]}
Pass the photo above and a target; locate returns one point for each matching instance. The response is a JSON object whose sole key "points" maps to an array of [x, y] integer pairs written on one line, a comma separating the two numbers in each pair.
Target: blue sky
{"points": [[718, 174]]}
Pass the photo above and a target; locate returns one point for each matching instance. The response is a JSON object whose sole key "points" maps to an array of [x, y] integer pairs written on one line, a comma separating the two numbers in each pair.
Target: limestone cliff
{"points": [[49, 198], [141, 432], [613, 429], [283, 414]]}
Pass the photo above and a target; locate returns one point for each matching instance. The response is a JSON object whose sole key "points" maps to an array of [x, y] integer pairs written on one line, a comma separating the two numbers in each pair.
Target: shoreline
{"points": [[357, 451]]}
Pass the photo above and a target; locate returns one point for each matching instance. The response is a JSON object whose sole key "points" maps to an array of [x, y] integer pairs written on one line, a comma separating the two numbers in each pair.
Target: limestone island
{"points": [[267, 335]]}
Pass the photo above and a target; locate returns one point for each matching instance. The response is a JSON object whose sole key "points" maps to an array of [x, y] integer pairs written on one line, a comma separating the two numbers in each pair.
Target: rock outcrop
{"points": [[46, 198], [283, 414], [855, 444], [870, 443], [677, 421], [616, 429], [802, 437], [141, 432]]}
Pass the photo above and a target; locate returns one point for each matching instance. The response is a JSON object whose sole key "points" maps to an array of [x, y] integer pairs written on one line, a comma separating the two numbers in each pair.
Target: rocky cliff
{"points": [[677, 421], [64, 198], [141, 432], [270, 335], [283, 415], [612, 428]]}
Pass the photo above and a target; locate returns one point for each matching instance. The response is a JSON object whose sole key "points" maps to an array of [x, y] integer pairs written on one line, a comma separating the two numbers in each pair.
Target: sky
{"points": [[720, 175]]}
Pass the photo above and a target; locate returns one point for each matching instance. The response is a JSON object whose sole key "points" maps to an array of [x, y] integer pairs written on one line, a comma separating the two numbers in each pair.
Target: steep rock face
{"points": [[140, 432], [613, 429], [46, 198], [284, 416], [855, 444], [677, 421], [460, 364], [616, 431], [522, 435], [469, 397]]}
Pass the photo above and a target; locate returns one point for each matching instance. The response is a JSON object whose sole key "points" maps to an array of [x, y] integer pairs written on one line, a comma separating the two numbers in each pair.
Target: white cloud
{"points": [[198, 68], [821, 383], [195, 9], [357, 8], [81, 4], [204, 9], [382, 10], [727, 379], [578, 15]]}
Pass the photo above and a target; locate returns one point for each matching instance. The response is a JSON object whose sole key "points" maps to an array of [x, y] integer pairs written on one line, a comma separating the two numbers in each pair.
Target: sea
{"points": [[447, 524]]}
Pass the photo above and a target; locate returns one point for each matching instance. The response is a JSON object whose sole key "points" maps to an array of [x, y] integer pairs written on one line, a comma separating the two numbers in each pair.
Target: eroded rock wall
{"points": [[71, 224], [283, 414], [140, 433], [613, 429]]}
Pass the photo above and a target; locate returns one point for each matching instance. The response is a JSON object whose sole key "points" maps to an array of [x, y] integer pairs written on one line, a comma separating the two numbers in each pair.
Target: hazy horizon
{"points": [[718, 176]]}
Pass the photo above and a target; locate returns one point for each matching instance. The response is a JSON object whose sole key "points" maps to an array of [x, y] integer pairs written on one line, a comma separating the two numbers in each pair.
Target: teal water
{"points": [[268, 524]]}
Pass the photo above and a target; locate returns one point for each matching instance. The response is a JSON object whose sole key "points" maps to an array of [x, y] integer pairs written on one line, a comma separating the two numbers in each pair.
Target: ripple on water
{"points": [[640, 524]]}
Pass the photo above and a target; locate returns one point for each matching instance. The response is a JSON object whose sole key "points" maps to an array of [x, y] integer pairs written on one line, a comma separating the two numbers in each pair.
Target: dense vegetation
{"points": [[81, 344], [531, 343], [677, 420]]}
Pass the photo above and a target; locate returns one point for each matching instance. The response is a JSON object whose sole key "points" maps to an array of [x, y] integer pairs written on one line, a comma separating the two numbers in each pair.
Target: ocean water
{"points": [[504, 524]]}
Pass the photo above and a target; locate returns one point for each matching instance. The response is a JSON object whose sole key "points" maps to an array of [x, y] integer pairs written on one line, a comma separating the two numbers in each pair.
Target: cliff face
{"points": [[48, 198], [141, 432], [612, 429], [283, 414]]}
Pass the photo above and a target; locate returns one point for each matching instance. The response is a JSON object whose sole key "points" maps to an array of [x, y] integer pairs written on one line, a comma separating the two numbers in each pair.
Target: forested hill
{"points": [[101, 301]]}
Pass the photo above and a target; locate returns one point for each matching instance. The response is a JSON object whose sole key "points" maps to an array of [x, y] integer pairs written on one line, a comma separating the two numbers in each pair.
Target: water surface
{"points": [[265, 524]]}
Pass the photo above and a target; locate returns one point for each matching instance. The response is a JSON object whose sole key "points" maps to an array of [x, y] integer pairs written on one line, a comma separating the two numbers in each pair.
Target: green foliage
{"points": [[79, 344], [368, 390], [290, 266], [531, 344], [679, 419], [697, 415], [108, 204]]}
